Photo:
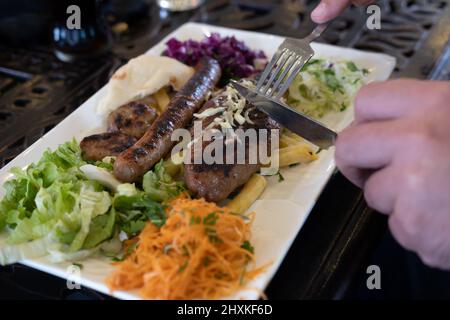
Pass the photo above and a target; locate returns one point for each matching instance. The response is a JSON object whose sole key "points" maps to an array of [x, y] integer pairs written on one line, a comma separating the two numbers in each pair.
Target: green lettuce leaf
{"points": [[2, 220], [159, 185], [127, 189], [101, 229], [33, 249], [66, 156], [134, 211], [107, 163], [91, 204], [53, 200]]}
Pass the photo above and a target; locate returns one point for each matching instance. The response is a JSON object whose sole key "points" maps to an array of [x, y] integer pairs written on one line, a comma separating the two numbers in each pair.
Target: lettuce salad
{"points": [[325, 86], [52, 208]]}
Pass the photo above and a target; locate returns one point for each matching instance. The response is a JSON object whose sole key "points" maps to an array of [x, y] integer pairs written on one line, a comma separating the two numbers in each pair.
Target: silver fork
{"points": [[286, 63]]}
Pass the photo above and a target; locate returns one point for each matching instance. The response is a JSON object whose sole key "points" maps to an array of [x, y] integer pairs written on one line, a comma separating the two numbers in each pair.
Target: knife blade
{"points": [[297, 122]]}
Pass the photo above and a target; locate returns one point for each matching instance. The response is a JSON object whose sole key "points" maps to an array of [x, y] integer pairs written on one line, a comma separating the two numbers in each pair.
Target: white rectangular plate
{"points": [[282, 209]]}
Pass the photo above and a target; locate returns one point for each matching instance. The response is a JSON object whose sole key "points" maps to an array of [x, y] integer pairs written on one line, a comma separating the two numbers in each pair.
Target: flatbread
{"points": [[143, 76]]}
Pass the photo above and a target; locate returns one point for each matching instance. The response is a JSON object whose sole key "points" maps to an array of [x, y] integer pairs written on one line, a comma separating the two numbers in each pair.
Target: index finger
{"points": [[368, 145], [396, 98], [330, 9]]}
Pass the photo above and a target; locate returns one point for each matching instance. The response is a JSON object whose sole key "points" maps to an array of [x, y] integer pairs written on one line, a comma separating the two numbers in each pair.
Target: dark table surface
{"points": [[37, 91]]}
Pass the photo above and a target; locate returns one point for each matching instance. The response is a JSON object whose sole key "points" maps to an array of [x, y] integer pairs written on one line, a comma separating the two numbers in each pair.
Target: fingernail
{"points": [[319, 11]]}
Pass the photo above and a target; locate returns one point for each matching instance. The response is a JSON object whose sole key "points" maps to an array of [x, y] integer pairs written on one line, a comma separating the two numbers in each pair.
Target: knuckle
{"points": [[421, 138], [434, 251], [429, 258], [398, 233], [362, 96], [411, 226], [371, 193], [415, 181], [406, 226]]}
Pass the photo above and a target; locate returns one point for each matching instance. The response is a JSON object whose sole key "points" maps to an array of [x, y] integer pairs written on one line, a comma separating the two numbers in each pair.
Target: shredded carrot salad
{"points": [[202, 252]]}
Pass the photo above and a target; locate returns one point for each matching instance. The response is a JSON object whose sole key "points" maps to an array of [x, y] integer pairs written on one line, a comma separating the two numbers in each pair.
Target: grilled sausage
{"points": [[215, 182], [156, 142], [98, 146], [133, 119]]}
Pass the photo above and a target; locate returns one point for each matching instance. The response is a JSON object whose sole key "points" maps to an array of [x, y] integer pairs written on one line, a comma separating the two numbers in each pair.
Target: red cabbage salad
{"points": [[235, 57]]}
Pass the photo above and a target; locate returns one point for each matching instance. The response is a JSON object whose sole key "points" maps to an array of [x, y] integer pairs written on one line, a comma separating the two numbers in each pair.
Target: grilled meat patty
{"points": [[215, 182], [133, 119], [98, 146], [131, 164]]}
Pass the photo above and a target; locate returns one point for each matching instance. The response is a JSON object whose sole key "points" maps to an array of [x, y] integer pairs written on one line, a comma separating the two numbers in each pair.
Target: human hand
{"points": [[330, 9], [398, 151]]}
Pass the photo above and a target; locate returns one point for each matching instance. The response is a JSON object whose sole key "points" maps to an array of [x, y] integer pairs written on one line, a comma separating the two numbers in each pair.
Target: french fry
{"points": [[162, 98], [171, 168], [293, 135], [299, 139], [294, 154], [178, 158], [248, 195], [299, 153], [286, 141]]}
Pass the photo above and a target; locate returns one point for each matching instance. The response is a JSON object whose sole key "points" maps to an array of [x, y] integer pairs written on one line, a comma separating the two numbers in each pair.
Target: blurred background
{"points": [[47, 71]]}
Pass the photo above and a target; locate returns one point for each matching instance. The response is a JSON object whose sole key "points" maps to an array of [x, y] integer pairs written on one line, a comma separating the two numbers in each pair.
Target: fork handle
{"points": [[317, 32]]}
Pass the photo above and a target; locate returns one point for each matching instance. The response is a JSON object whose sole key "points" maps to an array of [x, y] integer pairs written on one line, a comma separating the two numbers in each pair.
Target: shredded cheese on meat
{"points": [[231, 112]]}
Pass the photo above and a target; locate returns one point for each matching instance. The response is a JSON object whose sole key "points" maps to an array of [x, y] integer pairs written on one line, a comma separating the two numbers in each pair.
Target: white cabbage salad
{"points": [[324, 86]]}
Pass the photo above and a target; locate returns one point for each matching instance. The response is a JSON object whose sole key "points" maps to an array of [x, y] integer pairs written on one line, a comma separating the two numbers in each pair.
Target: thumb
{"points": [[328, 9]]}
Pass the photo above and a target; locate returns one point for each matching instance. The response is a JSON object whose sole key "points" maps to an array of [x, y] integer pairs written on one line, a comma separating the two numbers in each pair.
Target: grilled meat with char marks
{"points": [[133, 119], [156, 142], [98, 146], [215, 182]]}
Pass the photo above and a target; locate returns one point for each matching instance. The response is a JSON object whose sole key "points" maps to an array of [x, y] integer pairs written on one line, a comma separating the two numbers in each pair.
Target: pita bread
{"points": [[143, 76]]}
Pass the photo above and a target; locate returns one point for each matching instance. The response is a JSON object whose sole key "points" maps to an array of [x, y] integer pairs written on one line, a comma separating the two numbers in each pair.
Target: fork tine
{"points": [[275, 68], [269, 67], [281, 62], [286, 63], [289, 64], [295, 71]]}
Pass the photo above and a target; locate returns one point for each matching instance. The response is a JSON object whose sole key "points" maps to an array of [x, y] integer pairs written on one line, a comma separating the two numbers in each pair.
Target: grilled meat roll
{"points": [[98, 146], [133, 119]]}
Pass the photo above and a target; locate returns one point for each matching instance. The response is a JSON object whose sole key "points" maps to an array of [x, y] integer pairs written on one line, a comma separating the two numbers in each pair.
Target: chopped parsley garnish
{"points": [[280, 176], [183, 267], [212, 235], [352, 66], [117, 259], [195, 220], [247, 246], [210, 219]]}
